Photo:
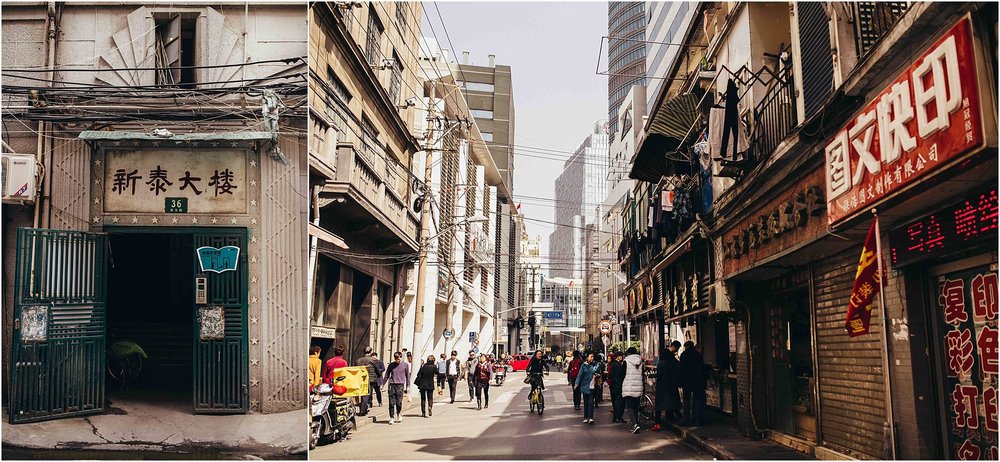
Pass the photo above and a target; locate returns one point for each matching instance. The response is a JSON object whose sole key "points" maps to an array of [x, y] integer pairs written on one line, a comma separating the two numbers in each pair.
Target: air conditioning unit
{"points": [[18, 178], [718, 301]]}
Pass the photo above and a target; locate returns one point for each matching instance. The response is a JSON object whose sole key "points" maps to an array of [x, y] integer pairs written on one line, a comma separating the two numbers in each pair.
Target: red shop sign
{"points": [[929, 115]]}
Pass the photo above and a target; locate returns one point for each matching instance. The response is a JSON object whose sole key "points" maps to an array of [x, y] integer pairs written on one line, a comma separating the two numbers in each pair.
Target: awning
{"points": [[671, 122], [327, 236]]}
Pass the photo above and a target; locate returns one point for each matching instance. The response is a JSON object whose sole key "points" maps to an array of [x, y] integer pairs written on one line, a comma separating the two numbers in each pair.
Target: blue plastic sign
{"points": [[448, 333], [218, 260], [472, 336], [552, 314], [475, 350]]}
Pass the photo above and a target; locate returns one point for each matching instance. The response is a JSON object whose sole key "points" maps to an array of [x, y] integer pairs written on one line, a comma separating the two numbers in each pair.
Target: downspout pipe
{"points": [[43, 155]]}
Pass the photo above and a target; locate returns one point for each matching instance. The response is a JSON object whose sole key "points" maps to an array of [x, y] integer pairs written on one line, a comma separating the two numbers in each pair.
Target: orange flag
{"points": [[867, 283]]}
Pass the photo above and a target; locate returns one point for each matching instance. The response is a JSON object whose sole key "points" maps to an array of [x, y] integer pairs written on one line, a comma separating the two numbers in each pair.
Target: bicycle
{"points": [[536, 401], [124, 361], [646, 407]]}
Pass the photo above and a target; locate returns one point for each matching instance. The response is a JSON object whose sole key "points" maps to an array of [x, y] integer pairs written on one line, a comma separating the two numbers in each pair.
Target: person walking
{"points": [[571, 375], [667, 380], [369, 364], [315, 366], [616, 375], [426, 377], [442, 365], [559, 361], [334, 363], [585, 383], [470, 376], [483, 375], [601, 373], [692, 371], [378, 381], [632, 385], [398, 377], [453, 370]]}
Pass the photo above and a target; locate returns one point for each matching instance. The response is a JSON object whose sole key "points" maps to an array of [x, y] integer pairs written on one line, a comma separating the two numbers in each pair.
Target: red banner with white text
{"points": [[867, 283]]}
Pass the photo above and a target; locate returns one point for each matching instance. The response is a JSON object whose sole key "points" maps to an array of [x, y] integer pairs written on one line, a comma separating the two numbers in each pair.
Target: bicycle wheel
{"points": [[541, 403], [645, 408]]}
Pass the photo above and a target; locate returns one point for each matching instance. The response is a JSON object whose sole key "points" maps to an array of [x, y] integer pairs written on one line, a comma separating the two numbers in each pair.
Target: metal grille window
{"points": [[449, 177], [872, 20], [470, 205], [338, 99], [401, 16], [395, 80], [370, 139], [373, 49]]}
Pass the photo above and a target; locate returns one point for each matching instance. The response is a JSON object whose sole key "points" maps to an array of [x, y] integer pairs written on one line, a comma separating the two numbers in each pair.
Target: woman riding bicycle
{"points": [[534, 371]]}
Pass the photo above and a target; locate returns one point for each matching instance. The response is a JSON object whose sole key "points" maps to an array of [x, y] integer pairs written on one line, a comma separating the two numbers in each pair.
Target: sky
{"points": [[553, 50]]}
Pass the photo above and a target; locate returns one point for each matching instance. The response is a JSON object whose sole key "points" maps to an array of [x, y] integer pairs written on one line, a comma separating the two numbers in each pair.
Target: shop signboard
{"points": [[967, 301], [176, 181], [929, 115], [969, 222]]}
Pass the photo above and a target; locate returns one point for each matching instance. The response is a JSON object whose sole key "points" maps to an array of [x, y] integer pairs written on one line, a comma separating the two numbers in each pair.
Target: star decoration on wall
{"points": [[97, 162], [253, 280], [135, 220], [154, 220], [118, 143], [253, 403], [253, 238], [253, 163], [253, 182], [194, 220], [215, 144], [233, 221], [253, 221], [253, 202], [97, 200], [173, 220], [253, 320], [114, 219], [253, 259], [253, 300], [97, 220], [234, 144], [253, 341], [254, 382], [215, 220], [254, 362], [97, 181], [156, 143]]}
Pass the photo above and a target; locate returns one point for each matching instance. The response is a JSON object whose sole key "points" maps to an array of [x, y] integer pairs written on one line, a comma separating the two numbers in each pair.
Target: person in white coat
{"points": [[632, 385]]}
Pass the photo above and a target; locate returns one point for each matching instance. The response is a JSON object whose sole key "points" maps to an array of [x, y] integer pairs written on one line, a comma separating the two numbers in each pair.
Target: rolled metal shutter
{"points": [[851, 388]]}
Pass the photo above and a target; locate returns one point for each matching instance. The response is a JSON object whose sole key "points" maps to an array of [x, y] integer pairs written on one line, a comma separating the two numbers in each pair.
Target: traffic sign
{"points": [[605, 327], [472, 337], [475, 350], [448, 333]]}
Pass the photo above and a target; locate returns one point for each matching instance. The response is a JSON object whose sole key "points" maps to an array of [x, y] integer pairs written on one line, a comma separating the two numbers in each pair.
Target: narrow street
{"points": [[506, 430]]}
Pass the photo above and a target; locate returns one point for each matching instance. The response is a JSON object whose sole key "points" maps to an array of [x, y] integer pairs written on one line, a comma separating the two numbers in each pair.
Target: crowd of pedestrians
{"points": [[587, 373]]}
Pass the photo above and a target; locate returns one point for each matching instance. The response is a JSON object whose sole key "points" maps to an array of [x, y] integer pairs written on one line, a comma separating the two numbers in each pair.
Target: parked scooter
{"points": [[333, 418]]}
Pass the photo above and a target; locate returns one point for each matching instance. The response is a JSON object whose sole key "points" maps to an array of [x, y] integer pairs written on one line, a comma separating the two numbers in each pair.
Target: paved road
{"points": [[506, 430]]}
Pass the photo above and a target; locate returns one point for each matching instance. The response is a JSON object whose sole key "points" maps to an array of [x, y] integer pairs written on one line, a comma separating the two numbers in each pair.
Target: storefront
{"points": [[174, 261]]}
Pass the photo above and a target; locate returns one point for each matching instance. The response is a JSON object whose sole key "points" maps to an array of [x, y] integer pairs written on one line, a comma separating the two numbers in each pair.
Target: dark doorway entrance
{"points": [[150, 302]]}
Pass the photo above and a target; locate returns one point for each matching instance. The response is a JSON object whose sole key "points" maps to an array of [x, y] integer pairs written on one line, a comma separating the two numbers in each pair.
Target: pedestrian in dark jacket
{"points": [[615, 379], [483, 374], [379, 381], [585, 383], [426, 377], [667, 381], [692, 370], [572, 371], [602, 372]]}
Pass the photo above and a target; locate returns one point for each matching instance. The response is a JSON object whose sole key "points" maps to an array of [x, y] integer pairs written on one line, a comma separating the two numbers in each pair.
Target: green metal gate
{"points": [[221, 376], [58, 349]]}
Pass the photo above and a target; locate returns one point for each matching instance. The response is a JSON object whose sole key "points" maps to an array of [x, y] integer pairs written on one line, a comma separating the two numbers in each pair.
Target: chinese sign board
{"points": [[971, 221], [867, 284], [967, 301], [218, 260], [929, 115], [168, 181]]}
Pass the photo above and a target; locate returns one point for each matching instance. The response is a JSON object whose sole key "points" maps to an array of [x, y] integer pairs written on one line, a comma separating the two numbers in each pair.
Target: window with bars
{"points": [[370, 138], [396, 79], [373, 49], [401, 16], [470, 205], [337, 101], [449, 177]]}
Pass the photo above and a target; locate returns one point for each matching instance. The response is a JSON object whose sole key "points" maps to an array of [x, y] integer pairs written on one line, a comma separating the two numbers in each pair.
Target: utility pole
{"points": [[425, 220]]}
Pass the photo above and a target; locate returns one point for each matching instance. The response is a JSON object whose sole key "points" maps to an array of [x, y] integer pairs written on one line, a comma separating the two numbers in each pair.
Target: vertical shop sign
{"points": [[967, 302]]}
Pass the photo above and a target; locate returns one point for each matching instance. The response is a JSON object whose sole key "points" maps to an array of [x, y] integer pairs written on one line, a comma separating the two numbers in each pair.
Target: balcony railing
{"points": [[377, 181], [872, 20]]}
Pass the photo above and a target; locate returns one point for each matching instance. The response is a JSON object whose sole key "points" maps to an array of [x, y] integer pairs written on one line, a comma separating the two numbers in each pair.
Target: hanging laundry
{"points": [[727, 137], [700, 148], [667, 200]]}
